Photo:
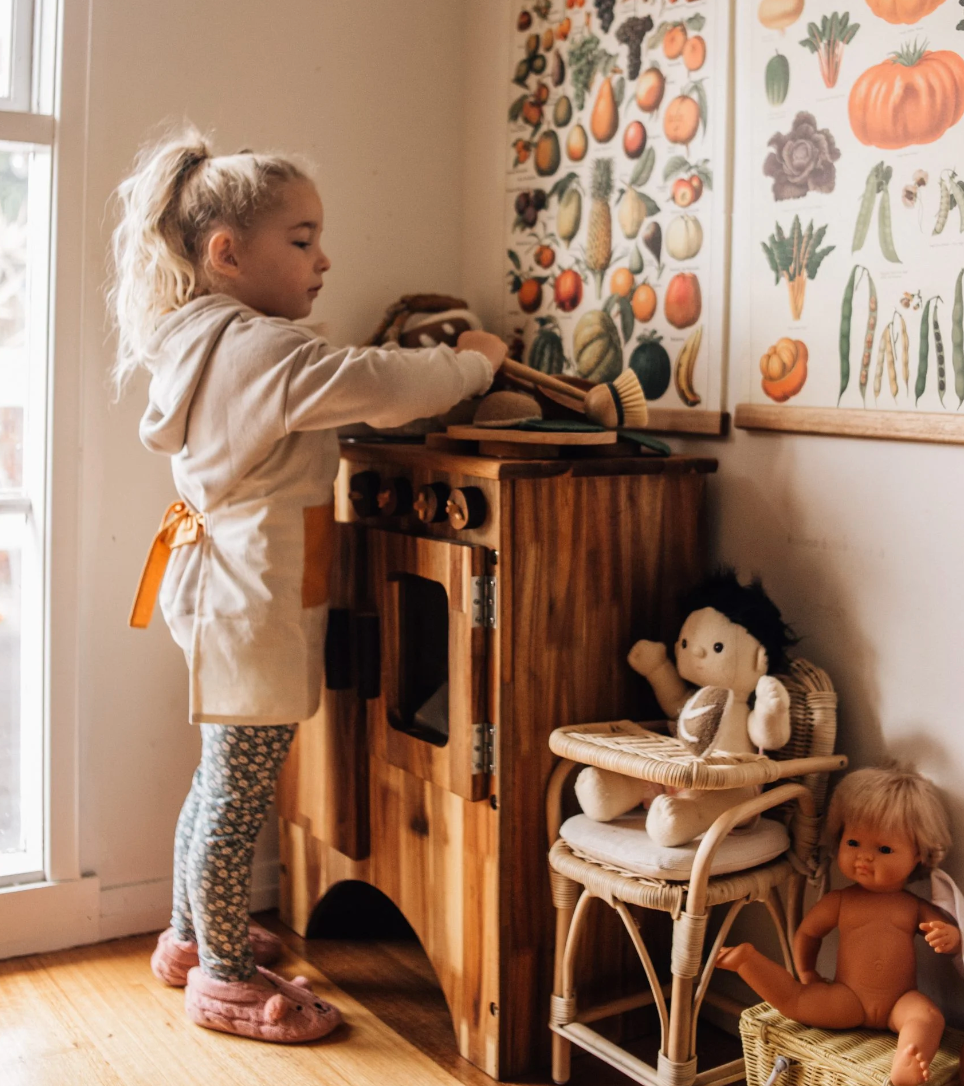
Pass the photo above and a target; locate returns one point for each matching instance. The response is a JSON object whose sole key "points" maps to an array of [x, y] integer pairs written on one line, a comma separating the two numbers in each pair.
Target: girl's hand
{"points": [[485, 343], [942, 937]]}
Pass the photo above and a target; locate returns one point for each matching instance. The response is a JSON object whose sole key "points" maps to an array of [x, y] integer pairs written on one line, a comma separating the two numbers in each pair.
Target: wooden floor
{"points": [[95, 1016]]}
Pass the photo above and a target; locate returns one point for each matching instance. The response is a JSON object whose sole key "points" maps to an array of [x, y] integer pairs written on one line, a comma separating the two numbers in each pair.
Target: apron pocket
{"points": [[319, 536]]}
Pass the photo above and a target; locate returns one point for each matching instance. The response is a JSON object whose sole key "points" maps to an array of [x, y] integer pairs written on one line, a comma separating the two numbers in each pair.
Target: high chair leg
{"points": [[570, 915]]}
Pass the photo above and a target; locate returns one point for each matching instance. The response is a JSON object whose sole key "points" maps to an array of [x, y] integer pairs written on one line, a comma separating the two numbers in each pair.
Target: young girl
{"points": [[885, 824], [215, 257]]}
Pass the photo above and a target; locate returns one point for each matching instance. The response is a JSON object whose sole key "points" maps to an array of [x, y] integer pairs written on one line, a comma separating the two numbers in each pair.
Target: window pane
{"points": [[6, 46], [11, 539], [14, 239]]}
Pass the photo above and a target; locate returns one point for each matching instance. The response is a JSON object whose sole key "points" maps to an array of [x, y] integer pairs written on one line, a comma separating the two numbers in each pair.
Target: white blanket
{"points": [[946, 895]]}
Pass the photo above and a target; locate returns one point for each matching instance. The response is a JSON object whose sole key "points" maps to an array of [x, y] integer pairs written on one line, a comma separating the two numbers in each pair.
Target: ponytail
{"points": [[176, 195]]}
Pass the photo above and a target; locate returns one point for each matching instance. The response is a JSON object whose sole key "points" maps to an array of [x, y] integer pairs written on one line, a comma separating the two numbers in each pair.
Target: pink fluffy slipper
{"points": [[173, 957], [289, 1013]]}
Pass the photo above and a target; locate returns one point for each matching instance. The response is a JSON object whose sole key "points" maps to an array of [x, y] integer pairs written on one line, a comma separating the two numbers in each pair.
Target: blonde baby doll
{"points": [[885, 824]]}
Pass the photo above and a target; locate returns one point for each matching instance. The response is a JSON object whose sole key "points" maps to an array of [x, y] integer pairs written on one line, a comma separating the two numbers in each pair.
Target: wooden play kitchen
{"points": [[477, 604]]}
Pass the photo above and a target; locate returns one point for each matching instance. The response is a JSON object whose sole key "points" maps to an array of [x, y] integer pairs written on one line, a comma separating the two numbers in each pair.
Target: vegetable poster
{"points": [[858, 210], [616, 206]]}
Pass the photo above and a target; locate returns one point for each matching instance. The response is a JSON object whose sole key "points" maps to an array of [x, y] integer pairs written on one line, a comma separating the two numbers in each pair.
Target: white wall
{"points": [[861, 543], [373, 93]]}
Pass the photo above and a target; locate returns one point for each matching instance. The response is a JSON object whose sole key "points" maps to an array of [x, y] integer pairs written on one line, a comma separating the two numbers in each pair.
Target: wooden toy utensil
{"points": [[616, 404]]}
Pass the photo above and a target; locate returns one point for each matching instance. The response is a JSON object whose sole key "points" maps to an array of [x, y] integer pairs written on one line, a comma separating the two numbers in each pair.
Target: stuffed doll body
{"points": [[886, 823], [725, 648]]}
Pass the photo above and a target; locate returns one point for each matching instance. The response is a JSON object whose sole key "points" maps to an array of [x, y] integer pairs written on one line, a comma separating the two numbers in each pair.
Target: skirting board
{"points": [[931, 427], [52, 916]]}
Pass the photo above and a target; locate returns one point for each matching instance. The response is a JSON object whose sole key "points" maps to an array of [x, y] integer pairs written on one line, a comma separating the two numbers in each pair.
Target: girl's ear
{"points": [[222, 254]]}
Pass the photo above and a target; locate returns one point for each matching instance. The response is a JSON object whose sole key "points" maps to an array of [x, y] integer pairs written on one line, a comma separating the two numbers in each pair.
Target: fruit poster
{"points": [[616, 209], [858, 215]]}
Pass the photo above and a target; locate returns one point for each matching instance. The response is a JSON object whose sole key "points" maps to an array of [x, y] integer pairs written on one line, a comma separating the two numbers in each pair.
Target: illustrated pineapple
{"points": [[599, 241]]}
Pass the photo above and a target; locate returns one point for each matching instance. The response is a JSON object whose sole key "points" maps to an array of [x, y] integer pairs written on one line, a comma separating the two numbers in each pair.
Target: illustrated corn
{"points": [[599, 239]]}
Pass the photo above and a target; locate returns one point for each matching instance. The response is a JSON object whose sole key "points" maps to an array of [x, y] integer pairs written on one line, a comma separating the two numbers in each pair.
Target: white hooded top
{"points": [[247, 406]]}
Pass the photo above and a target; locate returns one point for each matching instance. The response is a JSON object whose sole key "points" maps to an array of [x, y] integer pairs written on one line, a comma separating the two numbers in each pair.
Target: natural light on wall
{"points": [[26, 142]]}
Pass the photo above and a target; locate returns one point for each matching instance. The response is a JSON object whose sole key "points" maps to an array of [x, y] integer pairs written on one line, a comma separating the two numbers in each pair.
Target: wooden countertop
{"points": [[489, 467]]}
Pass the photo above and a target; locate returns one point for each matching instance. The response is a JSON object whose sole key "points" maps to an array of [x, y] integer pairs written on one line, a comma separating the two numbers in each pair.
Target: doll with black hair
{"points": [[731, 642]]}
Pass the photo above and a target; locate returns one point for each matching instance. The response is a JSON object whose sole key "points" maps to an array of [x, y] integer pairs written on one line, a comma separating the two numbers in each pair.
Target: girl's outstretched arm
{"points": [[383, 386]]}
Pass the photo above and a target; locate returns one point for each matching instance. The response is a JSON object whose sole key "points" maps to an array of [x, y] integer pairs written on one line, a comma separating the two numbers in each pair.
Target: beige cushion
{"points": [[624, 843]]}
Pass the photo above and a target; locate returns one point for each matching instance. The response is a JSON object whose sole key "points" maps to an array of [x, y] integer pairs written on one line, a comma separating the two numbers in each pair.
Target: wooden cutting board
{"points": [[531, 437]]}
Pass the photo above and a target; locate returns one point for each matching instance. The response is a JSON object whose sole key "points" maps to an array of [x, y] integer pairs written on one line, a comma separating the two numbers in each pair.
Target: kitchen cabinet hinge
{"points": [[483, 748], [485, 602]]}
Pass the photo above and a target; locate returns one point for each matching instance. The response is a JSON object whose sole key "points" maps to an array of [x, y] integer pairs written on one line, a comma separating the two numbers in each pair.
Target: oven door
{"points": [[429, 714]]}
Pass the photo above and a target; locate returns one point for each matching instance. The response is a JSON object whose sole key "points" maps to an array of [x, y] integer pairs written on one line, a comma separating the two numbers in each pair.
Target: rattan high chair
{"points": [[624, 747]]}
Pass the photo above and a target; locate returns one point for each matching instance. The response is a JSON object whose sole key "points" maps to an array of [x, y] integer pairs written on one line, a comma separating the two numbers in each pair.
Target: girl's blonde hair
{"points": [[176, 195], [895, 798]]}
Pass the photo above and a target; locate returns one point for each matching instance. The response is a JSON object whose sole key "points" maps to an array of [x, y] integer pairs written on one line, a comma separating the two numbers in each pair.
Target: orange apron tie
{"points": [[179, 527]]}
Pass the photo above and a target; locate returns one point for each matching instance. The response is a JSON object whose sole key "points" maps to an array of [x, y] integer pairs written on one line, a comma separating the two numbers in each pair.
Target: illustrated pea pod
{"points": [[957, 338], [846, 322], [922, 353], [939, 354], [846, 319], [878, 181]]}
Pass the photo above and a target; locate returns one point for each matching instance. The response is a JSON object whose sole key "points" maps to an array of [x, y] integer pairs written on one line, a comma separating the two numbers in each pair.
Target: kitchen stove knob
{"points": [[466, 508], [395, 498], [431, 503], [363, 493]]}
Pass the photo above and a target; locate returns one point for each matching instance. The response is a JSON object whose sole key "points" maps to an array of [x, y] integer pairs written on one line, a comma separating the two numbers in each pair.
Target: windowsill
{"points": [[46, 916]]}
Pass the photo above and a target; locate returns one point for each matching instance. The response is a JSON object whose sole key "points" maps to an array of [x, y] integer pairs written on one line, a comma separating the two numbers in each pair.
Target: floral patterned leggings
{"points": [[214, 842]]}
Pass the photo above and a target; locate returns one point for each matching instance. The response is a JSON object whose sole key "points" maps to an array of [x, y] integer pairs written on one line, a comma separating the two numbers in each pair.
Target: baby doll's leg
{"points": [[919, 1026], [827, 1006]]}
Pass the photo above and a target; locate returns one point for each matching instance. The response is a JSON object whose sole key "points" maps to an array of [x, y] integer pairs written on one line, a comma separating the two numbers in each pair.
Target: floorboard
{"points": [[95, 1016]]}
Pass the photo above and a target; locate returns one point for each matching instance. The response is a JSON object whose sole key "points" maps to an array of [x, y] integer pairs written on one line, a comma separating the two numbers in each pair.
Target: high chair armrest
{"points": [[557, 781], [714, 836]]}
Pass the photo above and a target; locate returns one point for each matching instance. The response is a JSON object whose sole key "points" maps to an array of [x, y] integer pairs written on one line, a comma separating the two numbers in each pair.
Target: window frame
{"points": [[62, 909]]}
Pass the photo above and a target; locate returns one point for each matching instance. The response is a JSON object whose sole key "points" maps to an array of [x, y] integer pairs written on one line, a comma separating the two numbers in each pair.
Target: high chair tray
{"points": [[623, 746]]}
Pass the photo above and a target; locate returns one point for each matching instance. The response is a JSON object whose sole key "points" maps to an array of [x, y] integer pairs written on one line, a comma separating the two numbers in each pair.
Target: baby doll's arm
{"points": [[818, 923], [942, 935], [652, 661]]}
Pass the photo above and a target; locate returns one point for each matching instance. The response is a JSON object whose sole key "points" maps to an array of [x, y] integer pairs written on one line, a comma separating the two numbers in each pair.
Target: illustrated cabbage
{"points": [[803, 160]]}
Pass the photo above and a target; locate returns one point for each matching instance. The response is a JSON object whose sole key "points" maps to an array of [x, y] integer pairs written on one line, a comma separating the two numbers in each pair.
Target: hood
{"points": [[176, 358]]}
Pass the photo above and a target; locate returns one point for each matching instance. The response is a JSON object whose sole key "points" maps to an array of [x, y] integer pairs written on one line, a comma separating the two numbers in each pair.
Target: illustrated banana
{"points": [[685, 364]]}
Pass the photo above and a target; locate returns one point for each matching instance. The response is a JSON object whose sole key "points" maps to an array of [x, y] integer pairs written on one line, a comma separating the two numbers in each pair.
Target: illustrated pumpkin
{"points": [[597, 348], [913, 97], [683, 301], [784, 369], [903, 11]]}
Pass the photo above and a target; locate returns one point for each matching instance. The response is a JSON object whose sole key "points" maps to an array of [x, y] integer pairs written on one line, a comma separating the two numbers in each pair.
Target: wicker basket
{"points": [[820, 1057]]}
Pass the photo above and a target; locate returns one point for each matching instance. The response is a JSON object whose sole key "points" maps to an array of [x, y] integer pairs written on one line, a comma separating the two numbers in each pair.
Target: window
{"points": [[26, 143]]}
